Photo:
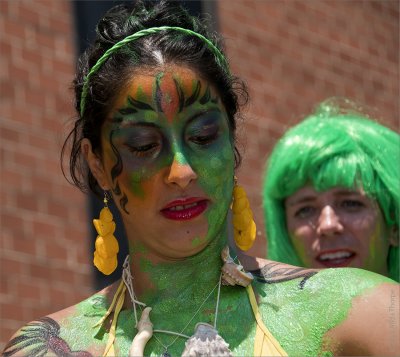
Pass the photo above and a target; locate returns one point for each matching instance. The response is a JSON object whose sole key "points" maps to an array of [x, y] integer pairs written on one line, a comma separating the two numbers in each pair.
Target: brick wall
{"points": [[291, 53], [294, 54], [44, 249]]}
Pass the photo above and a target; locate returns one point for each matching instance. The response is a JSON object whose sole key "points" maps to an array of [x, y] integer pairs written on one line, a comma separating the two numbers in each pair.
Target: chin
{"points": [[185, 248]]}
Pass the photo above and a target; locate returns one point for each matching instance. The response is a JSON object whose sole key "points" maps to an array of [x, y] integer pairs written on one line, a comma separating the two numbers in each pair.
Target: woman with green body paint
{"points": [[157, 130], [331, 192]]}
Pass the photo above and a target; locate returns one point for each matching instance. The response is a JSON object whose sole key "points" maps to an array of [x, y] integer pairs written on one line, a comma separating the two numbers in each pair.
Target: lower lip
{"points": [[187, 213], [337, 263]]}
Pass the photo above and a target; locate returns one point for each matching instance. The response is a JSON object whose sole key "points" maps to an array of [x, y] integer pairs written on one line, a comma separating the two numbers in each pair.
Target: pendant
{"points": [[206, 338], [166, 354]]}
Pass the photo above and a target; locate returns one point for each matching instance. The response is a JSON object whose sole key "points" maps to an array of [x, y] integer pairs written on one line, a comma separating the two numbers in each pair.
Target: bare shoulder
{"points": [[40, 338], [49, 335], [351, 311], [268, 271], [372, 325]]}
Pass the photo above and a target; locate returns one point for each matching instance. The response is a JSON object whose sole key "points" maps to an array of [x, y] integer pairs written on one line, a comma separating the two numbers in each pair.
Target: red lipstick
{"points": [[184, 209]]}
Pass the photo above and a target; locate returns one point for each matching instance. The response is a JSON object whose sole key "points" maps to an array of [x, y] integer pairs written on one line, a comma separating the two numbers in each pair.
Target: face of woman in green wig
{"points": [[336, 228], [167, 156]]}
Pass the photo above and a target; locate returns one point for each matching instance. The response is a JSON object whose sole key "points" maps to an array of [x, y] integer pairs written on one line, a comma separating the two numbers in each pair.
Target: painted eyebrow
{"points": [[132, 107], [133, 123], [203, 112], [130, 124]]}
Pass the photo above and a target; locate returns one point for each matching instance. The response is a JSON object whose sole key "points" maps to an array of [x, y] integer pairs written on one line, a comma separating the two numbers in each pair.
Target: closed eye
{"points": [[147, 150], [204, 139]]}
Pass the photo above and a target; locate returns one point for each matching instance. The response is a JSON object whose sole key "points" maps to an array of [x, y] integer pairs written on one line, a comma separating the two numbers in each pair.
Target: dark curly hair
{"points": [[105, 85]]}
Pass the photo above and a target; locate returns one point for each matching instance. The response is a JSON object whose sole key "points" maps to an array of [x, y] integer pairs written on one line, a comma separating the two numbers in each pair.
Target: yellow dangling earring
{"points": [[105, 255], [244, 227]]}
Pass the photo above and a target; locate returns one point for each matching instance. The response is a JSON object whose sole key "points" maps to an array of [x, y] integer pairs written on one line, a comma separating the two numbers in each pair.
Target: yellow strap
{"points": [[265, 343], [110, 309], [109, 351]]}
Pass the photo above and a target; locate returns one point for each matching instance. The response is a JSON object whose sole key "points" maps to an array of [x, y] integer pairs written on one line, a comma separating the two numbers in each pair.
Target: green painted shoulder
{"points": [[299, 311]]}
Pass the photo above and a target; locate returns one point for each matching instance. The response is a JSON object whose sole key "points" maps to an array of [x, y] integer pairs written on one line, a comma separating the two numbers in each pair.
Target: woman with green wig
{"points": [[331, 192]]}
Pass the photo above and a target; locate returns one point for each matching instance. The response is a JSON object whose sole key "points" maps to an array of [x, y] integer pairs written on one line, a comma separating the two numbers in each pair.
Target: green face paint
{"points": [[166, 121]]}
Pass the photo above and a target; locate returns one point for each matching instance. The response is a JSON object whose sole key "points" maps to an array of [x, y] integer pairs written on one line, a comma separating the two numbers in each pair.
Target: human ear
{"points": [[95, 164]]}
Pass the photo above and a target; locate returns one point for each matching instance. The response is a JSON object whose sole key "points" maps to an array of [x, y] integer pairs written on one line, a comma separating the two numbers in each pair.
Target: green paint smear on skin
{"points": [[211, 163], [300, 318], [136, 184], [219, 185], [78, 330], [182, 286], [196, 241]]}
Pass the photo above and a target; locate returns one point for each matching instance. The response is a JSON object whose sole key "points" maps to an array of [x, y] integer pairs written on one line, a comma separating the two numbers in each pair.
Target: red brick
{"points": [[38, 311], [28, 290], [27, 200], [45, 40], [23, 244], [9, 267], [4, 8], [62, 275], [27, 14], [12, 311], [40, 270], [56, 250], [13, 28], [44, 229]]}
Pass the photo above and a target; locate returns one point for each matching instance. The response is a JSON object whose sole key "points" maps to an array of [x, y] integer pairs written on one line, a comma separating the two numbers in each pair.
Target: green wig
{"points": [[332, 147]]}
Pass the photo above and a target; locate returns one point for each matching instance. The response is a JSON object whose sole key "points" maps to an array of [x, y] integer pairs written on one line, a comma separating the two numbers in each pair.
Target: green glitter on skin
{"points": [[79, 332], [195, 278], [181, 285], [199, 115], [293, 315]]}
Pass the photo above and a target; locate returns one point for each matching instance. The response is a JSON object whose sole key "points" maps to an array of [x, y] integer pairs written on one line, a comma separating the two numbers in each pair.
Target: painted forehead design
{"points": [[220, 58], [160, 96]]}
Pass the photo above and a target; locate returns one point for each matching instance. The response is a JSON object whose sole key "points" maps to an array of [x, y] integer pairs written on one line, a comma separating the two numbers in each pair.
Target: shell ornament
{"points": [[145, 332], [206, 342], [232, 273]]}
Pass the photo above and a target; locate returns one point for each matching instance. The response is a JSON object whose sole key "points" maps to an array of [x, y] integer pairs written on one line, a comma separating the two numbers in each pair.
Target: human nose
{"points": [[181, 174], [329, 222]]}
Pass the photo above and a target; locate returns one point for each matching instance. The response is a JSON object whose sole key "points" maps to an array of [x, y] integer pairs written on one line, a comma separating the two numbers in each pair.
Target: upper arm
{"points": [[32, 339], [40, 338], [372, 325]]}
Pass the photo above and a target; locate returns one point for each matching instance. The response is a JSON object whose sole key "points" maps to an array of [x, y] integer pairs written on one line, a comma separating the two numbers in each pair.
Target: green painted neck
{"points": [[179, 279]]}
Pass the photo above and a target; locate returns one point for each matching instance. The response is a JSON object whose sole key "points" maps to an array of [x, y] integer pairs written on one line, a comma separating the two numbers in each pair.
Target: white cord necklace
{"points": [[128, 278]]}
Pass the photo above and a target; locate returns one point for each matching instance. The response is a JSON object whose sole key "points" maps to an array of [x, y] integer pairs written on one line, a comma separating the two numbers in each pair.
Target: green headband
{"points": [[142, 33]]}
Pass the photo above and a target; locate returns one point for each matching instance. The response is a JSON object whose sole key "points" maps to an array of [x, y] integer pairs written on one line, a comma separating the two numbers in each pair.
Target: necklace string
{"points": [[128, 278]]}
